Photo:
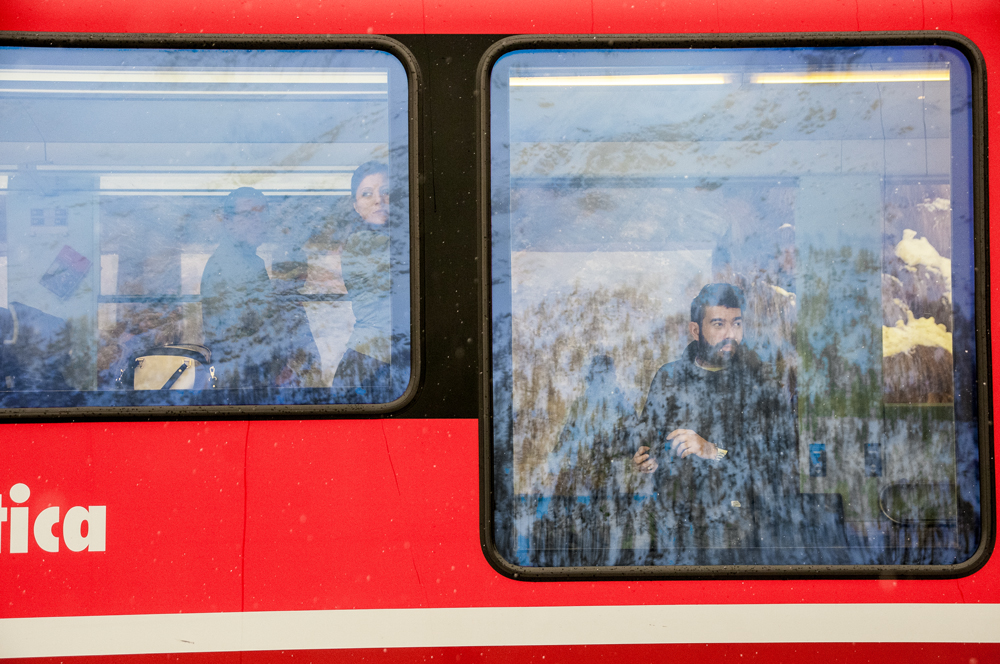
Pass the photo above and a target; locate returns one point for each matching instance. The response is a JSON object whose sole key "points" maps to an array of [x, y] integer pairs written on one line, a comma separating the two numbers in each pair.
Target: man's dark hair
{"points": [[363, 171], [229, 206], [716, 295]]}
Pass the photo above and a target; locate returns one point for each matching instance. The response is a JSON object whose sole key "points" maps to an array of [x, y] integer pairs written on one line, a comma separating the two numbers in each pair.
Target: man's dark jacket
{"points": [[708, 504]]}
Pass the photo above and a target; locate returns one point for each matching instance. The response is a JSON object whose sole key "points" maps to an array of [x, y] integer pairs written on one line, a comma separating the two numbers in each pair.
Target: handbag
{"points": [[174, 367]]}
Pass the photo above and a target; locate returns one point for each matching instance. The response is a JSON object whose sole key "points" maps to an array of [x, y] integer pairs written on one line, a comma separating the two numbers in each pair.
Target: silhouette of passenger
{"points": [[244, 325], [585, 519], [582, 456]]}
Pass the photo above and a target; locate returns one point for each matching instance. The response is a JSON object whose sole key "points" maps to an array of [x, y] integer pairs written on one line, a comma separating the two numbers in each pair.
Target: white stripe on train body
{"points": [[499, 626]]}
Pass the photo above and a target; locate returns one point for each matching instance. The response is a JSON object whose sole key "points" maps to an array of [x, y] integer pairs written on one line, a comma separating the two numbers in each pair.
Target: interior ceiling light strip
{"points": [[897, 76], [889, 76], [227, 182], [220, 192], [183, 76], [195, 92], [637, 79], [119, 170]]}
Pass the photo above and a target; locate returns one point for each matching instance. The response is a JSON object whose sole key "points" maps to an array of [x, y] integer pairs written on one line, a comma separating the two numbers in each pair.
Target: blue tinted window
{"points": [[203, 227], [733, 307]]}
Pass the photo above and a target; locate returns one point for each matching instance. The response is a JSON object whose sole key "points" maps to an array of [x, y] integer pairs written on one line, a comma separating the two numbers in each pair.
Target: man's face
{"points": [[719, 335], [249, 222]]}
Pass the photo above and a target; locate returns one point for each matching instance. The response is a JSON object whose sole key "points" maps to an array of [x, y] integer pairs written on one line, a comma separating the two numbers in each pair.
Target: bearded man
{"points": [[715, 436]]}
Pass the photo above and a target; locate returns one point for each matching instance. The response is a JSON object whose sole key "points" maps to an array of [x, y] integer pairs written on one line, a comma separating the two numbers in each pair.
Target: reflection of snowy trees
{"points": [[583, 453], [581, 361], [553, 344], [837, 318], [587, 510]]}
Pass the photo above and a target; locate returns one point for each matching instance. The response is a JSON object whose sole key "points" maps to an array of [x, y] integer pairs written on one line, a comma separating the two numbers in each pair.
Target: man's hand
{"points": [[644, 463], [687, 442]]}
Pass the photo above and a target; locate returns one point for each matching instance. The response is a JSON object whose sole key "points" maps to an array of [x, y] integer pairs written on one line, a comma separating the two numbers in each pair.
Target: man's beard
{"points": [[713, 355]]}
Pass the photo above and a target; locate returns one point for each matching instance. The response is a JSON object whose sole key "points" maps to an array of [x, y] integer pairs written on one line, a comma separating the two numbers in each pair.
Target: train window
{"points": [[204, 227], [733, 309]]}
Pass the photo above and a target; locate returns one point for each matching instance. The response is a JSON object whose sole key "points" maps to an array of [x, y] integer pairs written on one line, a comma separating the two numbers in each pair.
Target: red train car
{"points": [[385, 332]]}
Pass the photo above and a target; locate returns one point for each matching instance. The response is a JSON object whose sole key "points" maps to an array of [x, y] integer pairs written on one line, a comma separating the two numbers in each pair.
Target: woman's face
{"points": [[372, 199]]}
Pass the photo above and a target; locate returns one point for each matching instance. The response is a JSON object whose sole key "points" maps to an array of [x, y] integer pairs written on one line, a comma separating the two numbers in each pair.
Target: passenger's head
{"points": [[717, 323], [370, 192], [245, 215]]}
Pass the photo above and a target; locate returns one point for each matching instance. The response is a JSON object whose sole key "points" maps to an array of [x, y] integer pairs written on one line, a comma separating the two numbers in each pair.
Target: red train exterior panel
{"points": [[228, 518]]}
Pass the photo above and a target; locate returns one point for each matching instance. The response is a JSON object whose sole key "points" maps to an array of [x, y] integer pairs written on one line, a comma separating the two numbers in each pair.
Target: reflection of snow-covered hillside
{"points": [[917, 315], [571, 306], [663, 275]]}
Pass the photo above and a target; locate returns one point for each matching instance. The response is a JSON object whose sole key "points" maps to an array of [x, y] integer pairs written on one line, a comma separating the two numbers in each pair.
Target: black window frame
{"points": [[261, 42], [492, 491]]}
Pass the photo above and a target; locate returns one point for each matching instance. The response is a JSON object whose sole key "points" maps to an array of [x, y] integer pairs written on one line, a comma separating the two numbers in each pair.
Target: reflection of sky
{"points": [[60, 119], [167, 136], [262, 114], [664, 275], [858, 111], [619, 219], [735, 129]]}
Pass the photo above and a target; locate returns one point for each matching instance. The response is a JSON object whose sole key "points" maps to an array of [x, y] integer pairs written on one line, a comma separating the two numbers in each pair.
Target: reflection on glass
{"points": [[733, 307], [180, 227], [256, 337], [365, 367]]}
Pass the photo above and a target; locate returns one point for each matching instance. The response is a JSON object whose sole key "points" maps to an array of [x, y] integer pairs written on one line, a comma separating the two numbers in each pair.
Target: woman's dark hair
{"points": [[716, 295], [363, 171]]}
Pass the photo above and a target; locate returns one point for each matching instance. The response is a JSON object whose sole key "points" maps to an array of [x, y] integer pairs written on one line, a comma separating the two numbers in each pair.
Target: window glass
{"points": [[733, 307], [203, 227]]}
